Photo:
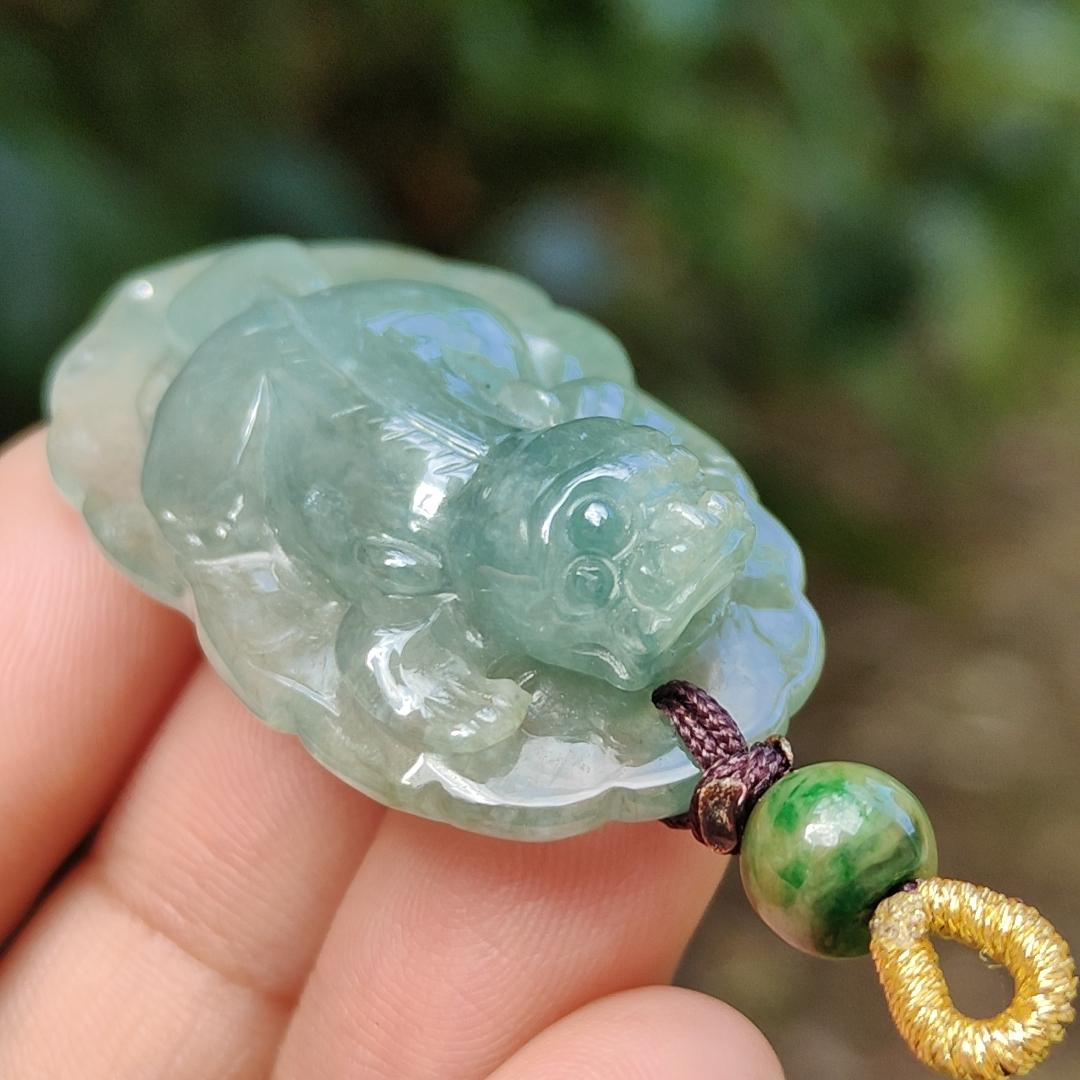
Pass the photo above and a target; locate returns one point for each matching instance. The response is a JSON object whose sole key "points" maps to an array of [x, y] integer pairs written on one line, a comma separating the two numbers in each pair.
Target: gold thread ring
{"points": [[1006, 930]]}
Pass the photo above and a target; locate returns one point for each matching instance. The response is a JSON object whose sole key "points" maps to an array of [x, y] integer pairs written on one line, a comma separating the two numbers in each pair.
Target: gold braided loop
{"points": [[1006, 930]]}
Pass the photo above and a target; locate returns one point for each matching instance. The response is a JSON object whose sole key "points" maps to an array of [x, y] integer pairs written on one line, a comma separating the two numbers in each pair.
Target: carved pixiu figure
{"points": [[427, 521]]}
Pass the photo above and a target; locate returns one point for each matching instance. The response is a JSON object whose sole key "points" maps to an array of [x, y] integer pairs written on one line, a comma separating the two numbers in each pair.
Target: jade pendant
{"points": [[426, 520]]}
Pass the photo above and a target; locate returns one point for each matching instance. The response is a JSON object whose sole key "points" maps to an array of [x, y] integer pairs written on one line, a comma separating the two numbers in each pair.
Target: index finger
{"points": [[87, 667]]}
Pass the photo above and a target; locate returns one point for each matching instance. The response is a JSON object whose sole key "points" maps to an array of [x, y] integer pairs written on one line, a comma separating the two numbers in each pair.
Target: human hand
{"points": [[238, 912]]}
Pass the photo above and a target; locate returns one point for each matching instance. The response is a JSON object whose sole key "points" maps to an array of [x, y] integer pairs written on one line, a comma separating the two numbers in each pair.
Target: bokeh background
{"points": [[843, 237]]}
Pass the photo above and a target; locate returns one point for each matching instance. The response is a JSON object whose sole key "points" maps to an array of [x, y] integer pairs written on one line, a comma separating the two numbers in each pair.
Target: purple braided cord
{"points": [[733, 775], [703, 724]]}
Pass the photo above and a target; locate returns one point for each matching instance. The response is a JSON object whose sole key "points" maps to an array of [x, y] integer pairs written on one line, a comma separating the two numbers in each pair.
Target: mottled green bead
{"points": [[824, 845]]}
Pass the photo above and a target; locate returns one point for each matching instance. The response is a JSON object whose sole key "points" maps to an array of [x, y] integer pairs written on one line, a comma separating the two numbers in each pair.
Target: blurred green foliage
{"points": [[870, 211]]}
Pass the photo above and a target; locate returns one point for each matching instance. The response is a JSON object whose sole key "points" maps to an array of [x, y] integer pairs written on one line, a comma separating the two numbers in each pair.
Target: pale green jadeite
{"points": [[426, 520]]}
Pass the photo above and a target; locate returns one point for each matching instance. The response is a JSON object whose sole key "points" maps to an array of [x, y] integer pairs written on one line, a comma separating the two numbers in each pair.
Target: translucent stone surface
{"points": [[824, 845], [426, 520]]}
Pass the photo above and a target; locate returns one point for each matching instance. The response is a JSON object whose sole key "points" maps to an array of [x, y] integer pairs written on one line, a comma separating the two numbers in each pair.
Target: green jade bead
{"points": [[825, 845]]}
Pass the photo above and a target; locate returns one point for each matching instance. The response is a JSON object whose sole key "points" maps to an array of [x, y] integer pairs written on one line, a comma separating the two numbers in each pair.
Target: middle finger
{"points": [[451, 950]]}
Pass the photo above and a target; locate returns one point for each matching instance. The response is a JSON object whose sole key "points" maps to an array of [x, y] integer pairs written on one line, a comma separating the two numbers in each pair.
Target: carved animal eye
{"points": [[598, 527], [590, 583]]}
